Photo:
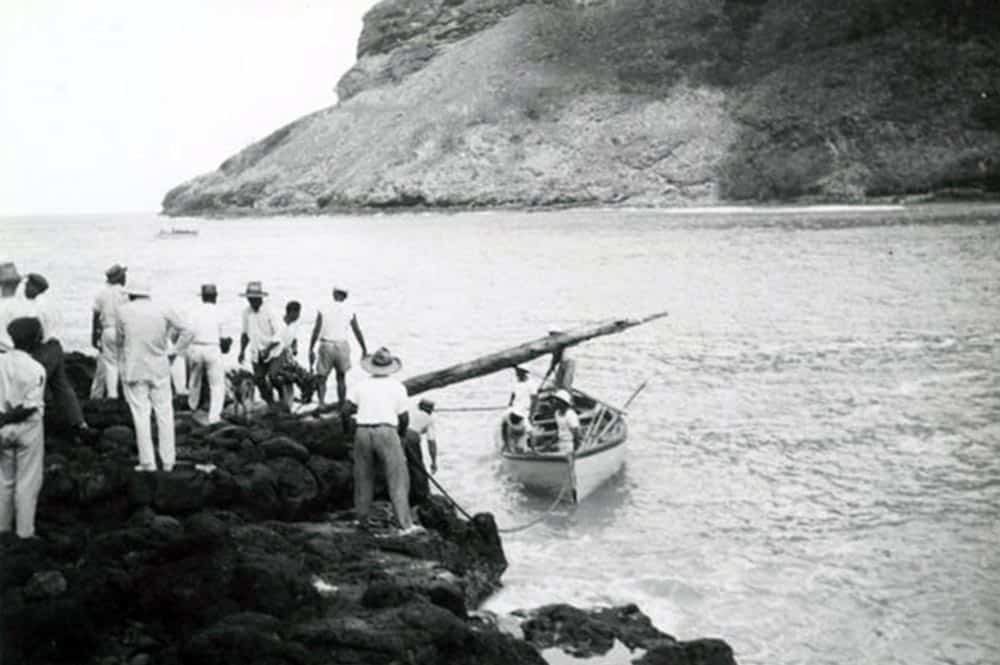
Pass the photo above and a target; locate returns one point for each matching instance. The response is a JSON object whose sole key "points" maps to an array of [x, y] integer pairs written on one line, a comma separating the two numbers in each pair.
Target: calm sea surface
{"points": [[813, 473]]}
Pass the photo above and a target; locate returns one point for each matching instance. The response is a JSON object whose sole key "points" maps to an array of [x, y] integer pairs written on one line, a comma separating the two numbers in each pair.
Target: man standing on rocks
{"points": [[60, 399], [143, 334], [421, 428], [103, 334], [22, 432], [10, 278], [261, 336], [382, 420], [334, 323], [205, 354]]}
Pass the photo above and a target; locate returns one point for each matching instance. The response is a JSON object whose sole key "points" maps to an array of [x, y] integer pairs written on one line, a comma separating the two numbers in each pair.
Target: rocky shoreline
{"points": [[247, 552]]}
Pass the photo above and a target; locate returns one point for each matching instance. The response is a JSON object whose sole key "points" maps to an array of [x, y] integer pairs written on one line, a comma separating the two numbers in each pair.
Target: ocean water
{"points": [[813, 471]]}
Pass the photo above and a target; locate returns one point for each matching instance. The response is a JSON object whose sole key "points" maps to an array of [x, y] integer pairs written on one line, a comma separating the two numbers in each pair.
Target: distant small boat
{"points": [[600, 457], [175, 232]]}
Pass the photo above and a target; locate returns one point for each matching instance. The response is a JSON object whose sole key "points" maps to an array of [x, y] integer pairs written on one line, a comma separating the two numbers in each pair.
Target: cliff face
{"points": [[643, 102]]}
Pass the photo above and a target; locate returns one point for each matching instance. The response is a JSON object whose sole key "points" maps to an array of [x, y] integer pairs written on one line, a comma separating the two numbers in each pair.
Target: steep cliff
{"points": [[484, 103]]}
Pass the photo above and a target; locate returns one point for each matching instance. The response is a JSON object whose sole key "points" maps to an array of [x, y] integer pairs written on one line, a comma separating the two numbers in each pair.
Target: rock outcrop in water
{"points": [[486, 103], [218, 562]]}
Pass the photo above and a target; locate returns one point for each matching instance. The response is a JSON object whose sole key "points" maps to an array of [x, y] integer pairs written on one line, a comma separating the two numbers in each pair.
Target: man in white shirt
{"points": [[334, 323], [421, 429], [22, 432], [205, 354], [60, 398], [261, 336], [103, 334], [569, 435], [284, 368], [382, 420], [143, 333], [10, 303], [524, 393]]}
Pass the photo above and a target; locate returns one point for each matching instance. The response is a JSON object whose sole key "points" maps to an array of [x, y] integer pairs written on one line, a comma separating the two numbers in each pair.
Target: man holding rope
{"points": [[421, 429]]}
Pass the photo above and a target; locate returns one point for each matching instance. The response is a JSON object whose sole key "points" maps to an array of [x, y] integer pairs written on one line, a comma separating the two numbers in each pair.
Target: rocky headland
{"points": [[246, 553], [494, 103]]}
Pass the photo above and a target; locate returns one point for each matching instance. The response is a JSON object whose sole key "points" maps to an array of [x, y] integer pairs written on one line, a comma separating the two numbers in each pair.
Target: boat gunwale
{"points": [[555, 457]]}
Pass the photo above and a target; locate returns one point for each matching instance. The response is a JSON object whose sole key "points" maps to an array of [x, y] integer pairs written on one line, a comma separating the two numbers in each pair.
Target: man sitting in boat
{"points": [[569, 435], [514, 430]]}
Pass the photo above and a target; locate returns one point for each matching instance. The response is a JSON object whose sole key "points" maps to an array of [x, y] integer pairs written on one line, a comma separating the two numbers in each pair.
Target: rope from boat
{"points": [[521, 527], [527, 525]]}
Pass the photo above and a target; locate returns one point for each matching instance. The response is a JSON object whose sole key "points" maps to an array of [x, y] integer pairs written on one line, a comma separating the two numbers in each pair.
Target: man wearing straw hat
{"points": [[261, 336], [382, 420], [144, 330], [205, 354], [103, 335]]}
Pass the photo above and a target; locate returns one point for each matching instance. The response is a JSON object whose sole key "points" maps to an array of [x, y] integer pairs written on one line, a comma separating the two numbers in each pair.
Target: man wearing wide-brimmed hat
{"points": [[382, 419], [205, 354], [103, 334], [10, 278], [335, 322], [144, 329], [261, 337]]}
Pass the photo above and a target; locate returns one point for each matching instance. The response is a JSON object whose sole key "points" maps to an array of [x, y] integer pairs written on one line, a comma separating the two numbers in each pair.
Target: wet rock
{"points": [[272, 584], [182, 491], [118, 436], [283, 446], [44, 585], [695, 652], [384, 594], [246, 637]]}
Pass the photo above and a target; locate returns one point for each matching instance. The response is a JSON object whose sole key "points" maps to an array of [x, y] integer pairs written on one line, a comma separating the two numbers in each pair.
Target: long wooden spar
{"points": [[507, 358]]}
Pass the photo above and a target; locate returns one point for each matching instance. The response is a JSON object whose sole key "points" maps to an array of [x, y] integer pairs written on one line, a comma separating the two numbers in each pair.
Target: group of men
{"points": [[139, 342], [516, 429]]}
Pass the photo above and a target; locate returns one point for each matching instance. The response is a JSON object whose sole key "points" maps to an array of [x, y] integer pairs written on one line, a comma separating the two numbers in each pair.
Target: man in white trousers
{"points": [[144, 330], [205, 354], [22, 432], [103, 334]]}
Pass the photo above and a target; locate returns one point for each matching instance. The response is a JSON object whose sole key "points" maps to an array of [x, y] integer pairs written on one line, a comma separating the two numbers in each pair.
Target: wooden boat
{"points": [[600, 455]]}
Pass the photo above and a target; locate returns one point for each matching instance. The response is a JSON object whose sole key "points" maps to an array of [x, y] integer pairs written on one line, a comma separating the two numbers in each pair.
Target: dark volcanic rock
{"points": [[587, 633], [205, 564]]}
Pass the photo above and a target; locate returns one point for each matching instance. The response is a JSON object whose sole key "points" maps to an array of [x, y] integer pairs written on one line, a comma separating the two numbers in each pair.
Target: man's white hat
{"points": [[563, 396]]}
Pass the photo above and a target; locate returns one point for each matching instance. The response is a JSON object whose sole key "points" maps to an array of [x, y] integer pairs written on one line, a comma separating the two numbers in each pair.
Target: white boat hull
{"points": [[550, 474]]}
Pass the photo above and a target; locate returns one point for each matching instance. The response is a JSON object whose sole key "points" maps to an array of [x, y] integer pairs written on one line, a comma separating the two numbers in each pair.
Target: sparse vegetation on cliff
{"points": [[483, 103]]}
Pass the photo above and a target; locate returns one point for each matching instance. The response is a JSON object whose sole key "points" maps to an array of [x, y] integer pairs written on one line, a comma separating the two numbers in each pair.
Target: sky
{"points": [[107, 104]]}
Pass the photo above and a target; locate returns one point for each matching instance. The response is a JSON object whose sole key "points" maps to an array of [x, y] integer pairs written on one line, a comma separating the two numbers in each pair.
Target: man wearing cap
{"points": [[60, 398], [381, 412], [261, 336], [103, 335], [22, 432], [334, 323], [143, 335], [421, 428], [10, 303], [205, 354]]}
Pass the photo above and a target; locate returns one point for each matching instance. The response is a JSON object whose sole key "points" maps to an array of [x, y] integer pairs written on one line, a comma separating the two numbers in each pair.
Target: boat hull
{"points": [[550, 473]]}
